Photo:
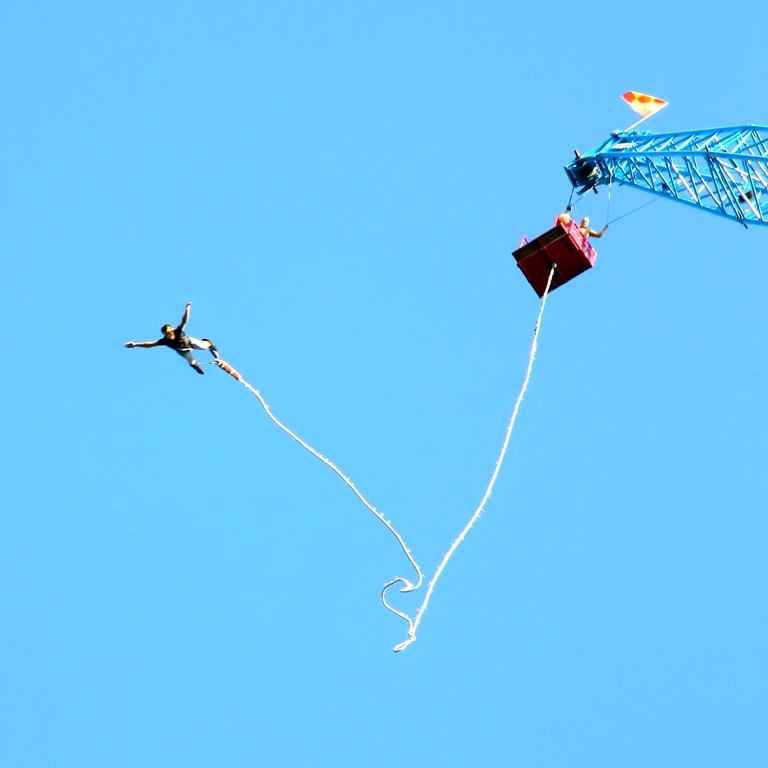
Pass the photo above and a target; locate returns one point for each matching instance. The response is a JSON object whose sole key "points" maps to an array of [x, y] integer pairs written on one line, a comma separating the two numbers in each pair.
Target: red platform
{"points": [[562, 246]]}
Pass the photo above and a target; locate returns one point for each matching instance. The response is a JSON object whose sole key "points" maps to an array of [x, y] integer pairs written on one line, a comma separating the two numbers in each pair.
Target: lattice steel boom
{"points": [[722, 170]]}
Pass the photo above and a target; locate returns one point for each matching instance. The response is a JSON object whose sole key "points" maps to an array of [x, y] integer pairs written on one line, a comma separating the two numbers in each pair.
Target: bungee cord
{"points": [[414, 623], [408, 586]]}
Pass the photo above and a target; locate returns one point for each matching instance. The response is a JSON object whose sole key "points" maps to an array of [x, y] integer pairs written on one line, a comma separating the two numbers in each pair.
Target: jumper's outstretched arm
{"points": [[185, 319], [143, 343]]}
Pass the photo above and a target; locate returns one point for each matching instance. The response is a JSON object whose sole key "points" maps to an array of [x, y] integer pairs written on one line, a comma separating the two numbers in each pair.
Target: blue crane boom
{"points": [[722, 170]]}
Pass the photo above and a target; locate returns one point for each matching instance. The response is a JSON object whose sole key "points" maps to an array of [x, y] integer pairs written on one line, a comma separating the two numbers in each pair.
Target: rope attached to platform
{"points": [[414, 623]]}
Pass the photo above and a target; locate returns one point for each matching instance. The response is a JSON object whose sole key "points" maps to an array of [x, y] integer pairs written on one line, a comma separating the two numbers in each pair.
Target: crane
{"points": [[721, 170]]}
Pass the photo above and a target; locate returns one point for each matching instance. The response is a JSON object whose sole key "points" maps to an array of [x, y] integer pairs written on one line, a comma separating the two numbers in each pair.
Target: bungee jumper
{"points": [[179, 342]]}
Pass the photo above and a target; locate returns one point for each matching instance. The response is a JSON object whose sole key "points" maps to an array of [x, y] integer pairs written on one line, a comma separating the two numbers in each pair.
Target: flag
{"points": [[643, 104]]}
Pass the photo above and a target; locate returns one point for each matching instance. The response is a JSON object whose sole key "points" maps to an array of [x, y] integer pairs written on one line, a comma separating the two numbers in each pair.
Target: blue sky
{"points": [[338, 187]]}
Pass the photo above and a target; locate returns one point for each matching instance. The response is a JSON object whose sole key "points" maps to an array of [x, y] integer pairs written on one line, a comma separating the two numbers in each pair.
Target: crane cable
{"points": [[571, 205], [634, 210]]}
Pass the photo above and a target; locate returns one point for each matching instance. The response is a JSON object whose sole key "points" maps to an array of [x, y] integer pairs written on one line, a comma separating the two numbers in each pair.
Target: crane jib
{"points": [[720, 170]]}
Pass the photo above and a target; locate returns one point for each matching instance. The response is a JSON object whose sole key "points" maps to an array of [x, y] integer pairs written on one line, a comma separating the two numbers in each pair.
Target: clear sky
{"points": [[337, 187]]}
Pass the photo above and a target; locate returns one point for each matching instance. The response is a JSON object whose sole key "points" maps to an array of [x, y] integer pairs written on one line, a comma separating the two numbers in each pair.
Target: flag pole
{"points": [[641, 120]]}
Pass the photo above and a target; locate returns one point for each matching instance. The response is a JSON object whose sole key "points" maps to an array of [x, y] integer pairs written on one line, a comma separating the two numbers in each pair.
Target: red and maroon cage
{"points": [[562, 247]]}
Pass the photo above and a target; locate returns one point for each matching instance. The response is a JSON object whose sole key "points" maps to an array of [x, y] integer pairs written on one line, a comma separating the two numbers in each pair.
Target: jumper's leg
{"points": [[187, 355]]}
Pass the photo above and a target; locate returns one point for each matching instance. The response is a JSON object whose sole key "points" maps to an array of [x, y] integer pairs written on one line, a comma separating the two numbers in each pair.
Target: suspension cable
{"points": [[634, 210]]}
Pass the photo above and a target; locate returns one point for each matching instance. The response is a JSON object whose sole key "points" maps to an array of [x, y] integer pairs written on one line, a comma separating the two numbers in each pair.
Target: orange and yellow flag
{"points": [[643, 104]]}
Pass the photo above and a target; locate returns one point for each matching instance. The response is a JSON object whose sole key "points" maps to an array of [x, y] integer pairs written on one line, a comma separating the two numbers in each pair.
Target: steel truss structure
{"points": [[722, 170]]}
